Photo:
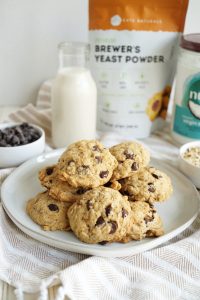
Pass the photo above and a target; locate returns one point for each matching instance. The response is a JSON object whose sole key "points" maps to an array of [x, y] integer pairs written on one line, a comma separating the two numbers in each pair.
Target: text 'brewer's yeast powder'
{"points": [[133, 56]]}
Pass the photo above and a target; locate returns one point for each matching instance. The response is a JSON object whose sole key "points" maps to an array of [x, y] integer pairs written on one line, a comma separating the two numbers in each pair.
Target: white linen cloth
{"points": [[169, 272]]}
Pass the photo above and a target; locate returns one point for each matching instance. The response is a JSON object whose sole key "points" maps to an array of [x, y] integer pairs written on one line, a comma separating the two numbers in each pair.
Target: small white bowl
{"points": [[14, 156], [191, 171]]}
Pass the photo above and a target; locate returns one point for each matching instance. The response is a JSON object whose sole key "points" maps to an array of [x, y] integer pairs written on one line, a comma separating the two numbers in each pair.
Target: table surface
{"points": [[7, 291]]}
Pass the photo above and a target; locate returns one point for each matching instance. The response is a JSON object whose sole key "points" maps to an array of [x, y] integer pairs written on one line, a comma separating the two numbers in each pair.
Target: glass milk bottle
{"points": [[74, 96]]}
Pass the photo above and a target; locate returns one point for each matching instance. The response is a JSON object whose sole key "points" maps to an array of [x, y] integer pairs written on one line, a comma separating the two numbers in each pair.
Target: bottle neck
{"points": [[69, 61], [73, 55]]}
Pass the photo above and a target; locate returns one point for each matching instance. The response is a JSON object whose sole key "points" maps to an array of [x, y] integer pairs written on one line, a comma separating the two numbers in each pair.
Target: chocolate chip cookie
{"points": [[145, 222], [58, 189], [102, 215], [149, 184], [86, 164], [131, 157], [48, 213]]}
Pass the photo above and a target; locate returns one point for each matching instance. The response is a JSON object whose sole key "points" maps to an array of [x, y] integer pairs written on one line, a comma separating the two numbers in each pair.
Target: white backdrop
{"points": [[30, 32]]}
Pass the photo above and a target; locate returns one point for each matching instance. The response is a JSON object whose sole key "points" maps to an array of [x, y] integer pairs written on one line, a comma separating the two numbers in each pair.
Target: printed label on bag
{"points": [[133, 56]]}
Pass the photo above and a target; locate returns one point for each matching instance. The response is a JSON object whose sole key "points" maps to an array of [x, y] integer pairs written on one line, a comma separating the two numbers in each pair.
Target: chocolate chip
{"points": [[49, 171], [156, 176], [124, 213], [96, 148], [15, 141], [120, 161], [108, 209], [150, 205], [128, 155], [151, 187], [100, 221], [149, 233], [134, 166], [85, 167], [103, 243], [53, 207], [104, 174], [80, 191], [113, 226], [148, 219], [89, 205], [98, 159], [3, 143]]}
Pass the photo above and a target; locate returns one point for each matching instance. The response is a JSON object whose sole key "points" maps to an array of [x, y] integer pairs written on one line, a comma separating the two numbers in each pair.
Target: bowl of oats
{"points": [[189, 161]]}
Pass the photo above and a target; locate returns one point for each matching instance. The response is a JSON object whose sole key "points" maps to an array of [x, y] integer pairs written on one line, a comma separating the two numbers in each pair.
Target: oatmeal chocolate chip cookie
{"points": [[58, 189], [102, 215], [145, 222], [87, 164], [131, 157], [48, 213], [149, 184]]}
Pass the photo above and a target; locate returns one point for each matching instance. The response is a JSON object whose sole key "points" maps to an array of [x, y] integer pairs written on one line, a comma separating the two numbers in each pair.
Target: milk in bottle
{"points": [[73, 97]]}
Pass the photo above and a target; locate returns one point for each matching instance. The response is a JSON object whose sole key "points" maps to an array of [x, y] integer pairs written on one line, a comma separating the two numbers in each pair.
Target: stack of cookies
{"points": [[102, 195]]}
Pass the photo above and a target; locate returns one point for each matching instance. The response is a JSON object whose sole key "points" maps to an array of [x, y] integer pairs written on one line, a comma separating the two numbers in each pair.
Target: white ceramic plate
{"points": [[177, 213]]}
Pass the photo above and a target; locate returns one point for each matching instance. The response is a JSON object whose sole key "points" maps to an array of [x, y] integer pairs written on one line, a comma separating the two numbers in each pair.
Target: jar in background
{"points": [[74, 96], [186, 113]]}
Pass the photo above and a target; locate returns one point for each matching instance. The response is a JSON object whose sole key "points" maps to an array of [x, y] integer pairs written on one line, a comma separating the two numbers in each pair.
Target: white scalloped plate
{"points": [[177, 213]]}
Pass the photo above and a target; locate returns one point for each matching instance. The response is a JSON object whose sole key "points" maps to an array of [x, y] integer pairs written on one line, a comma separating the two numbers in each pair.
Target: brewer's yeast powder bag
{"points": [[133, 56]]}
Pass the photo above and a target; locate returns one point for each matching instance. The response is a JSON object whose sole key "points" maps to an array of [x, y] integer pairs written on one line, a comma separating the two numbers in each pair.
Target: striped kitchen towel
{"points": [[40, 114], [169, 272]]}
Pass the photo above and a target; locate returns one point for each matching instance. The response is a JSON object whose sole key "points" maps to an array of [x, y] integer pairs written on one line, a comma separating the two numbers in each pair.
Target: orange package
{"points": [[134, 47]]}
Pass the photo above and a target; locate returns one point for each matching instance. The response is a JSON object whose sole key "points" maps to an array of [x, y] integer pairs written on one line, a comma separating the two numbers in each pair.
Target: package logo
{"points": [[194, 103], [116, 20], [191, 98]]}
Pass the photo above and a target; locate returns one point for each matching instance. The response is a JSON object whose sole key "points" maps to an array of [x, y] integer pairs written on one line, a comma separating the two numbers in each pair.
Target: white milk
{"points": [[74, 97]]}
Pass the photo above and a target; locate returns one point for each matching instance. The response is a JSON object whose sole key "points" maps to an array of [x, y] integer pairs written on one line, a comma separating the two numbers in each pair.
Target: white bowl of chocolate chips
{"points": [[20, 142]]}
